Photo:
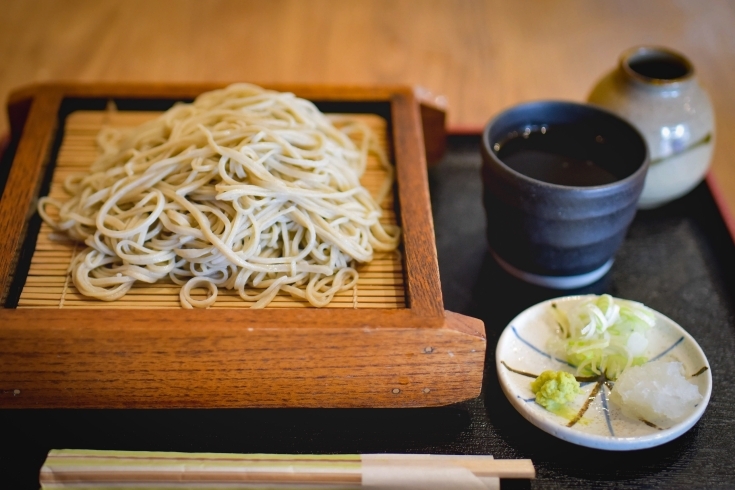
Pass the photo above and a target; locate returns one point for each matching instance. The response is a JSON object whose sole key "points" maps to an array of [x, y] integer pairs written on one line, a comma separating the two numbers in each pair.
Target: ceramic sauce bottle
{"points": [[656, 90]]}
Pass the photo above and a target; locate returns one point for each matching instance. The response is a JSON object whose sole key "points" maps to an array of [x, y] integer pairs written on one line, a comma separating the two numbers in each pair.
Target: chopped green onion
{"points": [[604, 334]]}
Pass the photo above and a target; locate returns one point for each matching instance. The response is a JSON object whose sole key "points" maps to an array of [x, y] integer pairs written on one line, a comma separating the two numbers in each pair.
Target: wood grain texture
{"points": [[482, 55], [24, 179], [422, 269], [202, 359], [241, 357]]}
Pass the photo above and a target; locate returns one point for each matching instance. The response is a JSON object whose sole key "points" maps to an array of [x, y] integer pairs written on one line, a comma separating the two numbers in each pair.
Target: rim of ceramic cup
{"points": [[487, 147], [677, 60]]}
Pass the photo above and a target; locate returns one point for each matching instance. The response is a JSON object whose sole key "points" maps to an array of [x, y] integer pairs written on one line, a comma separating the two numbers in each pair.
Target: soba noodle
{"points": [[245, 188]]}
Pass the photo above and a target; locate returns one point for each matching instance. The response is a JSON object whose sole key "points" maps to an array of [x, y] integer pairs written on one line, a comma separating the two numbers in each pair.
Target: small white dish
{"points": [[522, 347]]}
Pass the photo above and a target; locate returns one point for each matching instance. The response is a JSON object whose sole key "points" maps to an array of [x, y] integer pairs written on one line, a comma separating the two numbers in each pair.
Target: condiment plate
{"points": [[523, 347]]}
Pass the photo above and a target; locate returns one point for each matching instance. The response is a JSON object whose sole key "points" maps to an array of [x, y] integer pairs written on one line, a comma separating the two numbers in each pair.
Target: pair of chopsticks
{"points": [[67, 469]]}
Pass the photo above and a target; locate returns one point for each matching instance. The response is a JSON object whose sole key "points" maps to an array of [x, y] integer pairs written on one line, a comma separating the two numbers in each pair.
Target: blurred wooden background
{"points": [[481, 56]]}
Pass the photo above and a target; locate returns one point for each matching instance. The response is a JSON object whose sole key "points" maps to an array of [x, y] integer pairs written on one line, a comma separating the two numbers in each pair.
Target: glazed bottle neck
{"points": [[657, 69]]}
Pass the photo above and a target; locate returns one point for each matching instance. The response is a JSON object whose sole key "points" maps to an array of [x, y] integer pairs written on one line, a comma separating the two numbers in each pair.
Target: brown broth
{"points": [[569, 155]]}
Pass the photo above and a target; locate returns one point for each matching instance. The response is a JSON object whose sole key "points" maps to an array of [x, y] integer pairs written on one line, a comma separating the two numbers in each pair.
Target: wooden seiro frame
{"points": [[418, 356]]}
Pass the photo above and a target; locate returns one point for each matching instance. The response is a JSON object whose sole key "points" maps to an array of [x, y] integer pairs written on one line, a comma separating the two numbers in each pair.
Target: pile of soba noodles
{"points": [[245, 188]]}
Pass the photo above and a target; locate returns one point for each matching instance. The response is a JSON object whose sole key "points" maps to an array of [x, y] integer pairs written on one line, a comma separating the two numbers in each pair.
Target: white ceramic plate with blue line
{"points": [[522, 351]]}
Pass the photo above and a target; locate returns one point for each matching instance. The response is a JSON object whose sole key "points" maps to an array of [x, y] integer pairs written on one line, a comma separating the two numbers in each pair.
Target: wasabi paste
{"points": [[554, 390]]}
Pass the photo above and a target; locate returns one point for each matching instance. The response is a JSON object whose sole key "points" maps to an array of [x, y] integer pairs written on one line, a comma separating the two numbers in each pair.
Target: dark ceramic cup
{"points": [[553, 235]]}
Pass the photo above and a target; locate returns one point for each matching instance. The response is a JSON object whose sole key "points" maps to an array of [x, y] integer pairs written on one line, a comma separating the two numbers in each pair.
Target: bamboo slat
{"points": [[49, 285]]}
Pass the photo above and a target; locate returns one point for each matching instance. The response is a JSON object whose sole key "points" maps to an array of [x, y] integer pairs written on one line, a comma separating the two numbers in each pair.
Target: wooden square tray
{"points": [[371, 349]]}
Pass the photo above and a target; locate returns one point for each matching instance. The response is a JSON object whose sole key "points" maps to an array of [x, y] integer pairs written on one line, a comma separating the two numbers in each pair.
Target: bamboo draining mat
{"points": [[49, 283]]}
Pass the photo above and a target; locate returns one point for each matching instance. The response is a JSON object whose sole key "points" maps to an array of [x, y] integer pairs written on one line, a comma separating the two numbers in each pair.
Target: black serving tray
{"points": [[678, 259]]}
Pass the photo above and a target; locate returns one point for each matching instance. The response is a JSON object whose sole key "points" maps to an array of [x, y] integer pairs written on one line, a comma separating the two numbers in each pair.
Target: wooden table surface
{"points": [[481, 56]]}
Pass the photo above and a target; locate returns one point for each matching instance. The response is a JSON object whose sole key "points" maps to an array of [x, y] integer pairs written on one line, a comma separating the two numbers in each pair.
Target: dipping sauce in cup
{"points": [[561, 184]]}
